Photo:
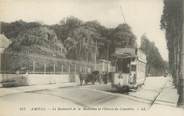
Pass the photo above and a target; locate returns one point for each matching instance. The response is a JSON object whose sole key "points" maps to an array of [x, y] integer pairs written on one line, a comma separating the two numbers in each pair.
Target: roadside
{"points": [[14, 90], [151, 89], [159, 91], [168, 98]]}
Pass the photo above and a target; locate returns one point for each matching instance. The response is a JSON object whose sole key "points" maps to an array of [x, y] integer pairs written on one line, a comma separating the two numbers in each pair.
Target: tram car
{"points": [[104, 66], [105, 70], [130, 66]]}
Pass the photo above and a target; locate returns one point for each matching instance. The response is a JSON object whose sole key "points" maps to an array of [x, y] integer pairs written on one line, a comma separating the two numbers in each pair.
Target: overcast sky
{"points": [[142, 15]]}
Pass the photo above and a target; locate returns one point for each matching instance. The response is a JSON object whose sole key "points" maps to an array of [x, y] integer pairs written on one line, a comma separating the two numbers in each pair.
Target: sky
{"points": [[142, 15]]}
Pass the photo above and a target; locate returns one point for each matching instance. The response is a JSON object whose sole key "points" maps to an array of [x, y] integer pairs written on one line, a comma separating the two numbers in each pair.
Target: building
{"points": [[4, 43]]}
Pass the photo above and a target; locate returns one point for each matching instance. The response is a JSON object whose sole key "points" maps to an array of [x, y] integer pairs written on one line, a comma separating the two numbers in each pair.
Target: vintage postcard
{"points": [[89, 57]]}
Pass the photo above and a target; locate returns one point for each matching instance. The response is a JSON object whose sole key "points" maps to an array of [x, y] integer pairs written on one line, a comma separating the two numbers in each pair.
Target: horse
{"points": [[89, 77], [83, 77]]}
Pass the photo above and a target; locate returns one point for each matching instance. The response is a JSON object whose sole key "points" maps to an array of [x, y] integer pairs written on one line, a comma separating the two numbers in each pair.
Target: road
{"points": [[90, 97]]}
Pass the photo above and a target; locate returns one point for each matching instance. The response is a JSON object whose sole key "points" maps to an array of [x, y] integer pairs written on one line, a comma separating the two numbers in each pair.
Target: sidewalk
{"points": [[167, 99], [151, 89], [14, 90]]}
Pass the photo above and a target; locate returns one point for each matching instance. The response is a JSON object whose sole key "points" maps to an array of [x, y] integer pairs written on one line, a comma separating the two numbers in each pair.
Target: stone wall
{"points": [[37, 79]]}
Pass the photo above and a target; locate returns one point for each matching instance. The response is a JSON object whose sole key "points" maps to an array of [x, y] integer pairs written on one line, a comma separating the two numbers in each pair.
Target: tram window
{"points": [[123, 65], [133, 59], [133, 67]]}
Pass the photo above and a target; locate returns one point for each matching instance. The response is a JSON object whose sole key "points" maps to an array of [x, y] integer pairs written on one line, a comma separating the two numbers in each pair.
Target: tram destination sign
{"points": [[123, 51]]}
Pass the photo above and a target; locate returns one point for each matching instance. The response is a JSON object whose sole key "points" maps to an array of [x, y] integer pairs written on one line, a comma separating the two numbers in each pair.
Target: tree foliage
{"points": [[66, 26], [155, 64], [81, 44], [123, 36], [38, 40], [11, 30], [78, 37], [171, 22]]}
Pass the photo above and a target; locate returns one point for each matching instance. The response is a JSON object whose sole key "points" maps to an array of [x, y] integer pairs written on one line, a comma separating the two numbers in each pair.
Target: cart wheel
{"points": [[127, 89]]}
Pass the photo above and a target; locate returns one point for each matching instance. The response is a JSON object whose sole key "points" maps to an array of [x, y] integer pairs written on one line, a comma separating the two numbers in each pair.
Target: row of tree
{"points": [[78, 40], [171, 22], [155, 63]]}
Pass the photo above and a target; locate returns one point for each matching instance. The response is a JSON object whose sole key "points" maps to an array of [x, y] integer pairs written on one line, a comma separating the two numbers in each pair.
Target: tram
{"points": [[130, 66]]}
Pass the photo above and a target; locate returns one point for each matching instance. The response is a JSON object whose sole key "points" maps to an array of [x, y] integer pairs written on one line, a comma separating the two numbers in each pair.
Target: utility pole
{"points": [[108, 51], [0, 27], [34, 66], [0, 54], [95, 53], [181, 78]]}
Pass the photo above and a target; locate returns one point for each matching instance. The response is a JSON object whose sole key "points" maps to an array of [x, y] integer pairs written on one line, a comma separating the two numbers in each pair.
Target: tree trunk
{"points": [[181, 78], [175, 64], [177, 55]]}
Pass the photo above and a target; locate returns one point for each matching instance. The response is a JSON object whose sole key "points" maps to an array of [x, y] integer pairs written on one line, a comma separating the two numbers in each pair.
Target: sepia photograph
{"points": [[91, 56]]}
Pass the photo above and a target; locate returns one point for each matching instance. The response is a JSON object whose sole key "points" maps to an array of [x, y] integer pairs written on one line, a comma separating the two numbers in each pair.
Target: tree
{"points": [[96, 26], [66, 26], [171, 21], [155, 64], [11, 30], [102, 40], [32, 45], [121, 37], [85, 38], [80, 44], [78, 37], [38, 40]]}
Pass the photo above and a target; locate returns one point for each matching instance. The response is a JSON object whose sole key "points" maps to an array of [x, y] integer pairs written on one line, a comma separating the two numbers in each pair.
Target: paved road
{"points": [[95, 98], [86, 96]]}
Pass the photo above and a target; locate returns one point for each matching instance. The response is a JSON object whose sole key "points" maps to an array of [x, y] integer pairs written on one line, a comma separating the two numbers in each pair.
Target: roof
{"points": [[125, 56], [125, 52], [103, 60], [4, 41]]}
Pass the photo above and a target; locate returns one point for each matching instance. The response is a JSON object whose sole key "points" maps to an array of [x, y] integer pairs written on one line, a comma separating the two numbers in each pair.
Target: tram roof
{"points": [[125, 55]]}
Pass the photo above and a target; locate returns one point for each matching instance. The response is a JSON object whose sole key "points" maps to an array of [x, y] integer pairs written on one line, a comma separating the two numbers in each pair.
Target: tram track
{"points": [[136, 98], [101, 95], [86, 97], [108, 96], [65, 98]]}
